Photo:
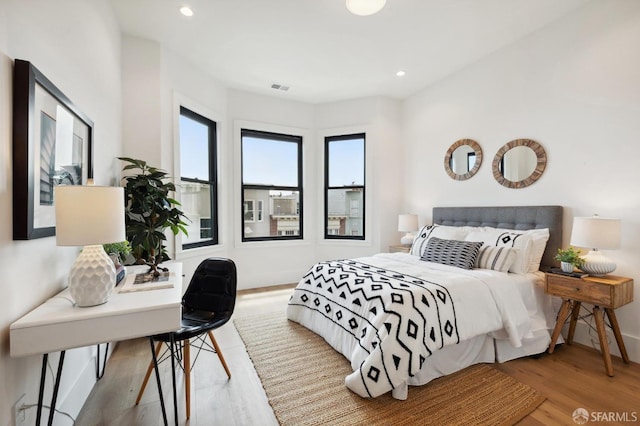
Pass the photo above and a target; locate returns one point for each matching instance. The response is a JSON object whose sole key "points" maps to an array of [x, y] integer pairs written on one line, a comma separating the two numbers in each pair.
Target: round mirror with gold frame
{"points": [[463, 159], [519, 163]]}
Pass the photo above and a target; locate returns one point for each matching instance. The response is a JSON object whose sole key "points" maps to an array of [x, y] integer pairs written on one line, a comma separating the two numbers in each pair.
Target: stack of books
{"points": [[120, 274], [575, 274]]}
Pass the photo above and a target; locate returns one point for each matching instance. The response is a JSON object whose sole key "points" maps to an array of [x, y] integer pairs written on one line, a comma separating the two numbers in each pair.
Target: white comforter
{"points": [[373, 314]]}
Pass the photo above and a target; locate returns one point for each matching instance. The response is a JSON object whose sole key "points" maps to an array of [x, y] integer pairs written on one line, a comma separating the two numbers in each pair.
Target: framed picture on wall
{"points": [[52, 145]]}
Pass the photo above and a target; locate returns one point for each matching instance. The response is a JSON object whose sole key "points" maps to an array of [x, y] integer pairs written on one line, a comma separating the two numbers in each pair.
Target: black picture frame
{"points": [[52, 145]]}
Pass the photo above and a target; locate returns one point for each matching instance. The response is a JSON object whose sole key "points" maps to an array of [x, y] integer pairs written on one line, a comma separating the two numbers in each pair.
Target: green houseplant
{"points": [[121, 250], [149, 212], [569, 258]]}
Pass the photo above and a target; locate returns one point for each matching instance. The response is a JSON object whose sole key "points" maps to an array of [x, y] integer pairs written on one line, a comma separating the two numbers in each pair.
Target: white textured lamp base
{"points": [[407, 239], [596, 264], [92, 277]]}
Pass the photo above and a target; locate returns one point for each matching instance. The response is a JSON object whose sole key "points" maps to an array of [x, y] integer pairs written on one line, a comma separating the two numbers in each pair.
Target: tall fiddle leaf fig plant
{"points": [[149, 212]]}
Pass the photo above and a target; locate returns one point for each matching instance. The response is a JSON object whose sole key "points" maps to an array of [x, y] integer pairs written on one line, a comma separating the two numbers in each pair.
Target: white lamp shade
{"points": [[365, 7], [407, 222], [596, 232], [87, 215]]}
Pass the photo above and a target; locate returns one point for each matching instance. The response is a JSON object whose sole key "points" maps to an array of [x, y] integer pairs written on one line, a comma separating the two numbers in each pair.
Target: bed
{"points": [[470, 291]]}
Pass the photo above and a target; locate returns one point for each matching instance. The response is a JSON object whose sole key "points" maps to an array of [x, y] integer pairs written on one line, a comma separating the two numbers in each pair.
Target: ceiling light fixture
{"points": [[400, 73], [186, 11], [365, 7]]}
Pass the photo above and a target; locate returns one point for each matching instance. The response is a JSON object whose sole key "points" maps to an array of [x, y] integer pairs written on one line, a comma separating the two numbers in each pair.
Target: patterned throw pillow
{"points": [[496, 258], [440, 231], [531, 243], [507, 238], [461, 254]]}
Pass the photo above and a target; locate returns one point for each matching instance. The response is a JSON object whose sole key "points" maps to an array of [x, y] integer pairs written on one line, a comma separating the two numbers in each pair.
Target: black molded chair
{"points": [[206, 305]]}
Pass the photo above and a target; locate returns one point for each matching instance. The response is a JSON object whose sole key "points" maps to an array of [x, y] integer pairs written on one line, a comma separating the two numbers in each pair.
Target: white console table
{"points": [[58, 325]]}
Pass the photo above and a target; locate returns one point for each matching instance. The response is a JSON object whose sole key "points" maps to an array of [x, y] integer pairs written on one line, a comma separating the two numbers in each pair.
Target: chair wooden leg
{"points": [[217, 348], [146, 376], [187, 377]]}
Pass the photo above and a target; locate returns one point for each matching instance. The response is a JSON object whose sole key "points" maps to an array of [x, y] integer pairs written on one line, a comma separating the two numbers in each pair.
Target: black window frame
{"points": [[213, 176], [327, 188], [279, 137]]}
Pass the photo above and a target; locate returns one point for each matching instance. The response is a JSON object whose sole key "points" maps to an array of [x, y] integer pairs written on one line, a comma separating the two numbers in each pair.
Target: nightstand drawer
{"points": [[575, 289], [606, 292]]}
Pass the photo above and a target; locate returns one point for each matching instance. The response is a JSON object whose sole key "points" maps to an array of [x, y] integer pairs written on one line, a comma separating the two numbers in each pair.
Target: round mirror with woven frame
{"points": [[463, 159], [519, 163]]}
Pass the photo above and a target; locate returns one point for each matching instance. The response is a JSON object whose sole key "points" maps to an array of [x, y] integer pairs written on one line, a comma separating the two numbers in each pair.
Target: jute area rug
{"points": [[304, 381]]}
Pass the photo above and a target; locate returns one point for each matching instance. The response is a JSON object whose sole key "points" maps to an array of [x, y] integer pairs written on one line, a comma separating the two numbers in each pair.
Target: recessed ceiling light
{"points": [[186, 11], [400, 73], [365, 7]]}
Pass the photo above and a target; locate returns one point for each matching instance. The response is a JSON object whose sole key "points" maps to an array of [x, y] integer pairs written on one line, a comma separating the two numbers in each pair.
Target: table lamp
{"points": [[90, 216], [407, 223], [596, 233]]}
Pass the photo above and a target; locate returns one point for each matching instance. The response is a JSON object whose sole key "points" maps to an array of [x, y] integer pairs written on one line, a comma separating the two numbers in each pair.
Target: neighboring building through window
{"points": [[198, 189], [344, 187], [271, 186]]}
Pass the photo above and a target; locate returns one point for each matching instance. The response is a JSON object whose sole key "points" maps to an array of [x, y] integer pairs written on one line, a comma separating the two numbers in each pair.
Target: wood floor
{"points": [[573, 377]]}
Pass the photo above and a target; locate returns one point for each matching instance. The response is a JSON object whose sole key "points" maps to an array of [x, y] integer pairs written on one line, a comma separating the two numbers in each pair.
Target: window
{"points": [[198, 189], [271, 186], [249, 211], [344, 187], [260, 217]]}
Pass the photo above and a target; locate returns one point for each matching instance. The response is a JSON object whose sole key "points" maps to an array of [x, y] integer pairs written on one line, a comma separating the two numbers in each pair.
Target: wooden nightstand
{"points": [[608, 292], [400, 248]]}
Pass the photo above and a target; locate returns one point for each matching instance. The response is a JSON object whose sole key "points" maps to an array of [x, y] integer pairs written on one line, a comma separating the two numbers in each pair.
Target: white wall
{"points": [[76, 44], [574, 88], [142, 100]]}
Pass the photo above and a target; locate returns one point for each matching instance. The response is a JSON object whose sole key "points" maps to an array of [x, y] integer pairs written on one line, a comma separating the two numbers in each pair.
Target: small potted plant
{"points": [[569, 259], [118, 251]]}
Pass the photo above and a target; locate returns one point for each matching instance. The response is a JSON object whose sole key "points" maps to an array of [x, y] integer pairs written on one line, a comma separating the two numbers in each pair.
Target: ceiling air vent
{"points": [[280, 87]]}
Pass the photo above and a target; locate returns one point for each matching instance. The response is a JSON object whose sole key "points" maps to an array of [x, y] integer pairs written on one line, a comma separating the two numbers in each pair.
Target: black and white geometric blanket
{"points": [[388, 313], [397, 319]]}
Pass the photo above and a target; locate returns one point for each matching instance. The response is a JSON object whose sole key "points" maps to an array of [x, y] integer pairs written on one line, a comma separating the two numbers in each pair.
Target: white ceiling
{"points": [[326, 54]]}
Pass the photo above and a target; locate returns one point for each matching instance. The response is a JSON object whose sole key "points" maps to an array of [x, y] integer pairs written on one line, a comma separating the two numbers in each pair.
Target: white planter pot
{"points": [[566, 267]]}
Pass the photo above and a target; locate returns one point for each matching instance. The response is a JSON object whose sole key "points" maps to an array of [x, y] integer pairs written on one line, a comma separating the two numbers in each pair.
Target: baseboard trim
{"points": [[589, 337]]}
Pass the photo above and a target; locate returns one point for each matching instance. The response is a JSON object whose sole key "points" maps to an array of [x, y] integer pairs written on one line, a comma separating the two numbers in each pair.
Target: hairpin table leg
{"points": [[43, 375], [172, 345], [155, 367], [56, 386], [104, 362]]}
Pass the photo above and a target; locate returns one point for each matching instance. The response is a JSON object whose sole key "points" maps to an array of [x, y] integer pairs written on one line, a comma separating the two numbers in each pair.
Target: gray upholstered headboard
{"points": [[512, 217]]}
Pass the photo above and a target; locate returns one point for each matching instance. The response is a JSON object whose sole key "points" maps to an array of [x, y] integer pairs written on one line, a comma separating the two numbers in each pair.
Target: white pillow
{"points": [[507, 238], [540, 238], [440, 231]]}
